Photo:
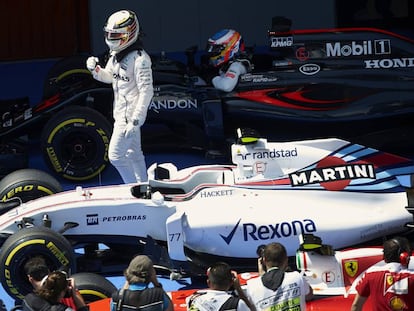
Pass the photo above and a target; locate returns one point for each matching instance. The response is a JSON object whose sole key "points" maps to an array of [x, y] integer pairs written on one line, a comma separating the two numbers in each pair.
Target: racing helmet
{"points": [[223, 46], [121, 30]]}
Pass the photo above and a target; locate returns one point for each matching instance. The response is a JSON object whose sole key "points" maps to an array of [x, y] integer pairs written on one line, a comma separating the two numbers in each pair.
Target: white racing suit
{"points": [[132, 83], [227, 80]]}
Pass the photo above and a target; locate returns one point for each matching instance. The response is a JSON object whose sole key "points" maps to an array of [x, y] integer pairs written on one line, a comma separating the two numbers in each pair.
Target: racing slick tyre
{"points": [[75, 143], [65, 73], [28, 184], [71, 73], [28, 243], [93, 286]]}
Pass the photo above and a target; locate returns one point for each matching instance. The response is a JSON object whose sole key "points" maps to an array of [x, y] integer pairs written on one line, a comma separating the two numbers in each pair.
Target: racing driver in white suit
{"points": [[129, 70]]}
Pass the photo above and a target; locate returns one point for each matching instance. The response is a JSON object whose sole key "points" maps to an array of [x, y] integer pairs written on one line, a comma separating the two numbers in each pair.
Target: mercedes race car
{"points": [[355, 84], [186, 219]]}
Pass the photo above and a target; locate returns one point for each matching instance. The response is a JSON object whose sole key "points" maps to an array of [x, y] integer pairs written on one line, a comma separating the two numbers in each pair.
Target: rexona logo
{"points": [[269, 154], [279, 230], [357, 48], [333, 174], [309, 69]]}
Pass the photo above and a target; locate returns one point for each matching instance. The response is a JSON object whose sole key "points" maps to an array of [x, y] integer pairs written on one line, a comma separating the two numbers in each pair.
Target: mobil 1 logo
{"points": [[382, 47], [358, 48]]}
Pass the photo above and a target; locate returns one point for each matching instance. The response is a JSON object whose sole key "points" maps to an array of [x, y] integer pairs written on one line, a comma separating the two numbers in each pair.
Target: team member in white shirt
{"points": [[277, 289], [218, 297]]}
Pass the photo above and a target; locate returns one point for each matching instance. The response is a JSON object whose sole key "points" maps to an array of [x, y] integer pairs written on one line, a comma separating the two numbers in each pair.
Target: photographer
{"points": [[137, 294], [221, 280], [276, 285], [37, 270], [48, 295]]}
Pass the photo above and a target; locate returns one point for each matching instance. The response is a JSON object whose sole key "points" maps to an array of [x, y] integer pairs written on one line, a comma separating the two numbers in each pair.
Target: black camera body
{"points": [[260, 250], [68, 292]]}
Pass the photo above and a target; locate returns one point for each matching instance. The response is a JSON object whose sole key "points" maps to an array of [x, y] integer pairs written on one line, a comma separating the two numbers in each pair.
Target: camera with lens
{"points": [[260, 250], [68, 292], [260, 253]]}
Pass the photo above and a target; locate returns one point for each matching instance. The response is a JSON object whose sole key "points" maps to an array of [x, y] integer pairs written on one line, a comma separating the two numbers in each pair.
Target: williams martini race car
{"points": [[186, 219], [355, 84]]}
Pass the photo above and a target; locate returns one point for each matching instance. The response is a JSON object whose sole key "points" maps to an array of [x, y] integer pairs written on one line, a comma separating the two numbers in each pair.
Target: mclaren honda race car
{"points": [[186, 219], [355, 84]]}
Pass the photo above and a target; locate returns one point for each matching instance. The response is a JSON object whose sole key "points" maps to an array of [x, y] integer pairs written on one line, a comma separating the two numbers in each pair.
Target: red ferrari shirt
{"points": [[390, 287], [69, 302]]}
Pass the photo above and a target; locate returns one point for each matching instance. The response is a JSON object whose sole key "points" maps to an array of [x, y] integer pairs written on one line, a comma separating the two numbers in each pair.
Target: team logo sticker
{"points": [[92, 219], [333, 174], [281, 42], [390, 280], [351, 267], [309, 69], [302, 54], [396, 303], [328, 277]]}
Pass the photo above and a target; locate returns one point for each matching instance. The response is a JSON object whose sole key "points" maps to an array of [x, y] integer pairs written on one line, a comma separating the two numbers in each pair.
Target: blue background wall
{"points": [[174, 25]]}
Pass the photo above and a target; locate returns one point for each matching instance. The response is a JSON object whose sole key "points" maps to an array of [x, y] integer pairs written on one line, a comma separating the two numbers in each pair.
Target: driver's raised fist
{"points": [[91, 63]]}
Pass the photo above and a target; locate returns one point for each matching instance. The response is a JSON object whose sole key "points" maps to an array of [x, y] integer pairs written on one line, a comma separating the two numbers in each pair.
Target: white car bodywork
{"points": [[345, 193]]}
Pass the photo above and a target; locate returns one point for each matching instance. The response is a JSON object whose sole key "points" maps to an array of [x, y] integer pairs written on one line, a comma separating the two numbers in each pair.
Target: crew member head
{"points": [[53, 286], [121, 30], [219, 276], [223, 46], [140, 270], [275, 255], [36, 269], [397, 249]]}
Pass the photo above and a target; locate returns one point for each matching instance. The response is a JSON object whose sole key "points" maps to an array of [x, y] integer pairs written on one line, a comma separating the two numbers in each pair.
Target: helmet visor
{"points": [[114, 35], [214, 49]]}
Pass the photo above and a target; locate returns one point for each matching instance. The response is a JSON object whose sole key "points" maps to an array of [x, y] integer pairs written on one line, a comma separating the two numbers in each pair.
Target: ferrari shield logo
{"points": [[390, 279], [351, 267]]}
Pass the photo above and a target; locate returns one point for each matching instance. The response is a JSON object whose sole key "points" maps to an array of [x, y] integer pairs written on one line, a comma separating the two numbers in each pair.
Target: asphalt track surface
{"points": [[25, 79]]}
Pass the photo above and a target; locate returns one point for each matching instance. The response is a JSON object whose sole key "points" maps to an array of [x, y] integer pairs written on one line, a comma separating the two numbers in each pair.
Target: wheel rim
{"points": [[78, 149]]}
